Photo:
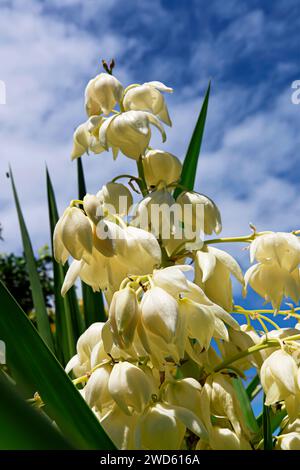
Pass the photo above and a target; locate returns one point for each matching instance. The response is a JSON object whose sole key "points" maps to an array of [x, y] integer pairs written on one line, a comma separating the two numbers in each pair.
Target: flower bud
{"points": [[278, 376], [116, 196], [161, 168], [73, 235], [148, 97], [130, 387], [102, 93], [123, 316], [209, 219], [129, 132]]}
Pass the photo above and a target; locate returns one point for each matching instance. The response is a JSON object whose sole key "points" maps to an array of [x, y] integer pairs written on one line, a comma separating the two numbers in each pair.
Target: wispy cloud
{"points": [[49, 50]]}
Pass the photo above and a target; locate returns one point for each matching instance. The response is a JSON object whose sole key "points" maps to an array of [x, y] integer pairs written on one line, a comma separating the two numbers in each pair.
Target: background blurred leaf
{"points": [[18, 417], [69, 322], [34, 366], [93, 305], [190, 163], [42, 320]]}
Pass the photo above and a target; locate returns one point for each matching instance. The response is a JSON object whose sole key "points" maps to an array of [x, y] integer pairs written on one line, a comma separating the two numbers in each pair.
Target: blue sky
{"points": [[249, 49]]}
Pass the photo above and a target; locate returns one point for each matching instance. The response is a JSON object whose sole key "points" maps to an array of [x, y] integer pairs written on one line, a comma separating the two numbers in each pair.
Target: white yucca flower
{"points": [[281, 248], [130, 387], [86, 137], [213, 268], [123, 316], [96, 390], [129, 132], [209, 218], [148, 97], [73, 236], [102, 93], [273, 283], [80, 364], [117, 196], [161, 168], [278, 376]]}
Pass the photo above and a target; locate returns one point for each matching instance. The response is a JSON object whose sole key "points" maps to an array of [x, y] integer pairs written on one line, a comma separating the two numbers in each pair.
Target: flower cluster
{"points": [[160, 373]]}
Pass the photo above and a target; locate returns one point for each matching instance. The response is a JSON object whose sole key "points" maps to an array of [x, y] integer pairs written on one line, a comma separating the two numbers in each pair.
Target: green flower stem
{"points": [[131, 177], [268, 343], [142, 182], [242, 239]]}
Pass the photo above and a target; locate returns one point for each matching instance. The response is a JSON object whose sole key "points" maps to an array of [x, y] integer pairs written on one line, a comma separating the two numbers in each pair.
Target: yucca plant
{"points": [[161, 362]]}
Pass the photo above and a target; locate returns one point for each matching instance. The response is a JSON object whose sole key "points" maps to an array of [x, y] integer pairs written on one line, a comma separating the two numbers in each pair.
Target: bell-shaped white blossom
{"points": [[162, 427], [102, 93], [86, 137], [157, 213], [201, 322], [138, 249], [172, 279], [96, 389], [130, 387], [94, 273], [120, 427], [123, 316], [273, 283], [278, 377], [115, 196], [213, 268], [81, 363], [148, 97], [218, 398], [161, 168], [73, 236], [129, 132], [281, 248], [160, 313], [183, 392], [199, 210]]}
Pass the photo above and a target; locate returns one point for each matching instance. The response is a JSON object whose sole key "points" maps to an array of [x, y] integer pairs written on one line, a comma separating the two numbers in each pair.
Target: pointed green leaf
{"points": [[69, 322], [42, 319], [189, 169], [34, 366], [93, 305], [15, 418]]}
